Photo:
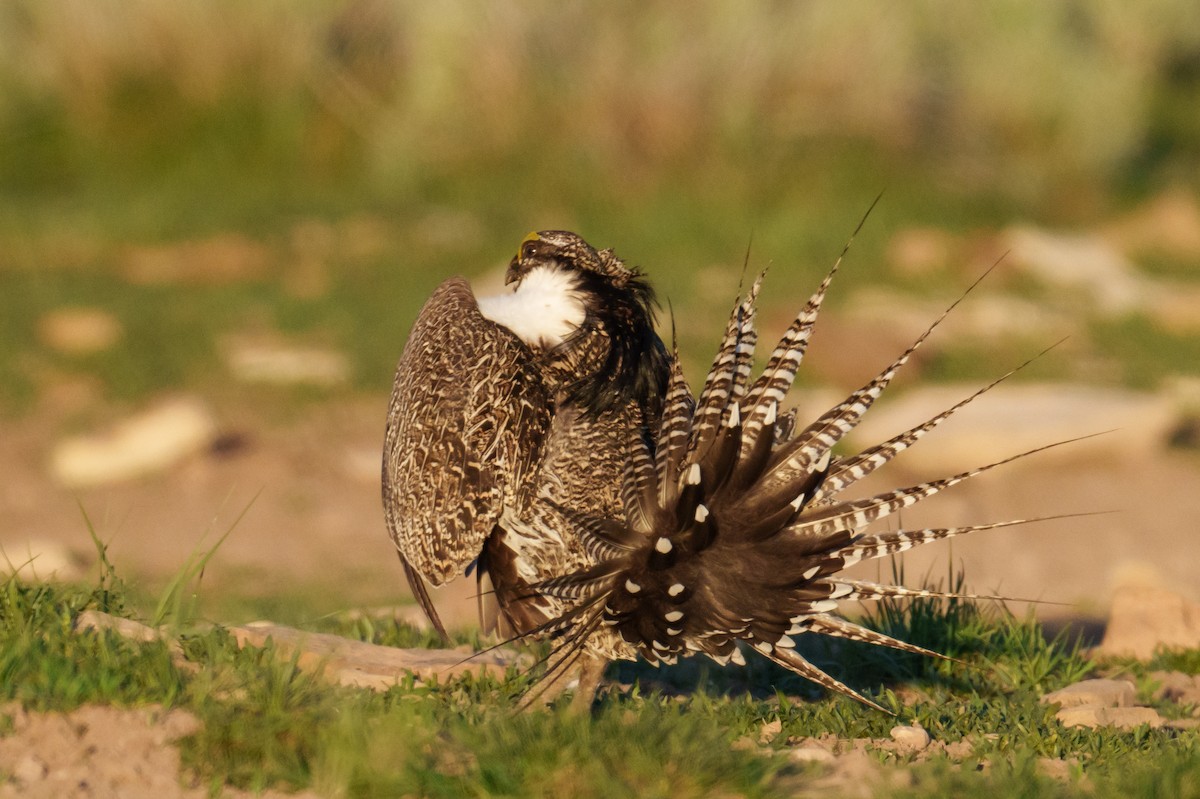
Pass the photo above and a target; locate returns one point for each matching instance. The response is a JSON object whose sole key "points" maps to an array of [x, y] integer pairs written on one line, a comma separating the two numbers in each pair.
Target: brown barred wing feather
{"points": [[466, 426]]}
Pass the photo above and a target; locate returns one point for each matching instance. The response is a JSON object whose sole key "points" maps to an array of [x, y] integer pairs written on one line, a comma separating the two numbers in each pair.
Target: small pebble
{"points": [[1106, 693], [811, 754], [1125, 718], [915, 738], [769, 730], [30, 769]]}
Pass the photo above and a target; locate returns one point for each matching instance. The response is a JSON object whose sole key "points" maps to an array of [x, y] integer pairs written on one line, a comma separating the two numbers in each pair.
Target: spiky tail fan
{"points": [[734, 529]]}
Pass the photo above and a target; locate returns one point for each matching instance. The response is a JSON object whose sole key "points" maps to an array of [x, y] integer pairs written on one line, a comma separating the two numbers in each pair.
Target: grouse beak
{"points": [[513, 275]]}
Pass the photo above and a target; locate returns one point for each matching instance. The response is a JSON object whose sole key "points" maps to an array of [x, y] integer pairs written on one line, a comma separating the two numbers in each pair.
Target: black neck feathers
{"points": [[635, 367]]}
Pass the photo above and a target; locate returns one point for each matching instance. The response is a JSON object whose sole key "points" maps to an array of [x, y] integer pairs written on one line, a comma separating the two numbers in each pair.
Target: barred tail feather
{"points": [[674, 431], [825, 624], [776, 380], [856, 514], [851, 470], [893, 542], [726, 379], [797, 664], [866, 591], [795, 462]]}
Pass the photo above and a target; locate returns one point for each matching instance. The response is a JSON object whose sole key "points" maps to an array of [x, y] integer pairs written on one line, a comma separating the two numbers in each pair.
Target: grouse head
{"points": [[590, 317], [562, 249]]}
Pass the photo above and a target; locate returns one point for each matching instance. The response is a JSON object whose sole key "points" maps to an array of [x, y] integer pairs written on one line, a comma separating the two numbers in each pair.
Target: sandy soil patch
{"points": [[96, 752]]}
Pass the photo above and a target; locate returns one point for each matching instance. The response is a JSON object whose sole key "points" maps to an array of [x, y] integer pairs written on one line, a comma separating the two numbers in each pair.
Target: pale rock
{"points": [[912, 738], [1056, 768], [1182, 724], [1184, 391], [811, 754], [38, 559], [990, 318], [899, 318], [1169, 224], [341, 660], [920, 250], [129, 629], [145, 443], [1144, 618], [225, 258], [79, 331], [1082, 716], [1125, 718], [283, 364], [769, 730], [126, 628], [365, 665], [1176, 686], [30, 769], [959, 750], [1102, 693], [1175, 308], [1136, 573], [1081, 263], [1013, 418]]}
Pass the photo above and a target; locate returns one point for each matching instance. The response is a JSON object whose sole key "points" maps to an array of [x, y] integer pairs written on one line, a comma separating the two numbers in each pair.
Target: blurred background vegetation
{"points": [[312, 168]]}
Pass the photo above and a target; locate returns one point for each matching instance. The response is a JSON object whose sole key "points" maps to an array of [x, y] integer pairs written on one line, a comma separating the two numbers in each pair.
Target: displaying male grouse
{"points": [[617, 513]]}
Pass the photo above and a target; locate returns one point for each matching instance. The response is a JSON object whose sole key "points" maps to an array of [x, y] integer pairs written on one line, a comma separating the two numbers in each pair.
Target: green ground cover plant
{"points": [[689, 731]]}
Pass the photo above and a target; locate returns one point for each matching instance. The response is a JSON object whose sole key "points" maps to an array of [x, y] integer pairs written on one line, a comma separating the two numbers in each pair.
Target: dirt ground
{"points": [[98, 753]]}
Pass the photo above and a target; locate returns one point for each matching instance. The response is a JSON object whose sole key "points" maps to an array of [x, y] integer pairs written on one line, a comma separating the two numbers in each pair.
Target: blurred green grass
{"points": [[268, 722], [675, 137]]}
